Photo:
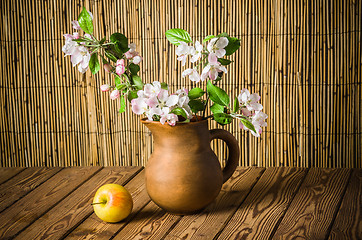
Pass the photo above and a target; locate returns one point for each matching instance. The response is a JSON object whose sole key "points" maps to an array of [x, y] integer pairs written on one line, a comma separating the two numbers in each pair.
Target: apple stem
{"points": [[98, 203]]}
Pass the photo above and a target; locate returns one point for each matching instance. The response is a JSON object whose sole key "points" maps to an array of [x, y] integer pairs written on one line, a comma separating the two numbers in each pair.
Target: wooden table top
{"points": [[256, 203]]}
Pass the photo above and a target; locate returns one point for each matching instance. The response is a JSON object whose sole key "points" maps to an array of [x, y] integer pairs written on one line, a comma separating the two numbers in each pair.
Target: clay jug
{"points": [[183, 174]]}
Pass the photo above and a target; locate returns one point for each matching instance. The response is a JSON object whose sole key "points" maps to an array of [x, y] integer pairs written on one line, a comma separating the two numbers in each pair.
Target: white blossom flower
{"points": [[193, 74], [250, 100], [183, 101], [217, 45], [213, 68], [258, 121], [182, 51], [196, 52], [166, 100], [155, 101], [170, 118], [151, 90], [81, 56], [139, 105], [70, 45]]}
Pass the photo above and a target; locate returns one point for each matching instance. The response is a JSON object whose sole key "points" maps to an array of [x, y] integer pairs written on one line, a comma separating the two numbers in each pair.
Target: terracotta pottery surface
{"points": [[183, 174]]}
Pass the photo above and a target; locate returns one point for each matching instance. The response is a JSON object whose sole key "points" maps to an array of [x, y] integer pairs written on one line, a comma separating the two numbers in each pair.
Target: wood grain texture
{"points": [[150, 223], [313, 209], [40, 200], [265, 205], [7, 173], [326, 205], [95, 228], [23, 183], [71, 211], [348, 223], [211, 220]]}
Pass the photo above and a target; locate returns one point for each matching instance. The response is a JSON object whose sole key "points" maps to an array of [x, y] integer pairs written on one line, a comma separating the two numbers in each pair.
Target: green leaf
{"points": [[111, 56], [123, 105], [121, 42], [177, 35], [223, 118], [156, 118], [208, 38], [132, 95], [115, 51], [218, 78], [85, 21], [224, 61], [217, 95], [117, 80], [236, 105], [102, 41], [216, 108], [196, 105], [224, 34], [179, 111], [234, 44], [137, 82], [164, 86], [94, 63], [119, 84], [196, 93], [248, 124], [134, 68]]}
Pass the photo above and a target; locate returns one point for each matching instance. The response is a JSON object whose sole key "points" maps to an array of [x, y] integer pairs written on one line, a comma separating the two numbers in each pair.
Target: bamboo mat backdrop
{"points": [[302, 57]]}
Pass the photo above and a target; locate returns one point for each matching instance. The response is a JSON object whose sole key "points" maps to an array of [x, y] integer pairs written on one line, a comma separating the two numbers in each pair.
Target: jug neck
{"points": [[191, 133]]}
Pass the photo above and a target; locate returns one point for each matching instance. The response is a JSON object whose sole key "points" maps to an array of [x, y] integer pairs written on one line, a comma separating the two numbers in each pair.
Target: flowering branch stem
{"points": [[207, 101], [201, 62], [210, 116], [106, 44]]}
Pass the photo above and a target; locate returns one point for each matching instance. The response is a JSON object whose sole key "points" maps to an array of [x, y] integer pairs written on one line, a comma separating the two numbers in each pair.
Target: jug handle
{"points": [[234, 151]]}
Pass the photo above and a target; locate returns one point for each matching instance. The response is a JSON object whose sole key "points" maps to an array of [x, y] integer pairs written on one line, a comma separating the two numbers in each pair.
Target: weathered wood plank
{"points": [[209, 222], [150, 223], [40, 200], [22, 183], [311, 213], [70, 212], [94, 228], [348, 223], [265, 205], [7, 173]]}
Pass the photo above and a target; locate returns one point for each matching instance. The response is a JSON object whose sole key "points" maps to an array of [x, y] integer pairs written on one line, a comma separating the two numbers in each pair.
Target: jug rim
{"points": [[200, 120]]}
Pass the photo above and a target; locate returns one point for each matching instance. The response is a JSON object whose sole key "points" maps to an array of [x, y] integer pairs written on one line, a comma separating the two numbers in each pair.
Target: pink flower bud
{"points": [[137, 59], [128, 55], [120, 68], [115, 94], [105, 87], [107, 67]]}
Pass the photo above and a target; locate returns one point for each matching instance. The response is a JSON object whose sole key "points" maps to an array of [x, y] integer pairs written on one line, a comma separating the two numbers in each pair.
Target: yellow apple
{"points": [[112, 203]]}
